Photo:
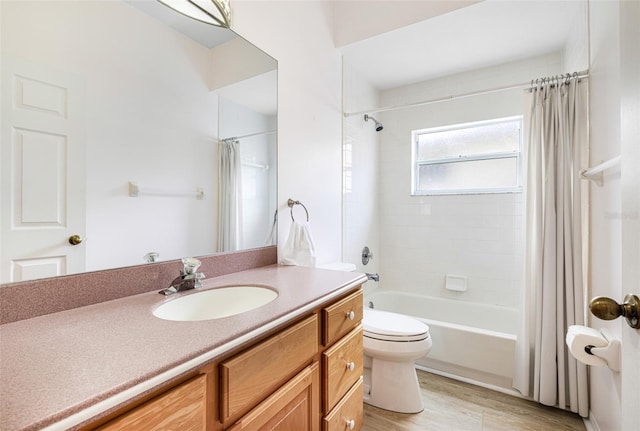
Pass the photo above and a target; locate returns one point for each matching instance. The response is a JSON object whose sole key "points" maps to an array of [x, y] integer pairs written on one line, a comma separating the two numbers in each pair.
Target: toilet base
{"points": [[392, 386]]}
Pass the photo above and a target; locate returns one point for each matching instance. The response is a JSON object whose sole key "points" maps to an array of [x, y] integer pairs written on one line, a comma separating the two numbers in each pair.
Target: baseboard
{"points": [[590, 423]]}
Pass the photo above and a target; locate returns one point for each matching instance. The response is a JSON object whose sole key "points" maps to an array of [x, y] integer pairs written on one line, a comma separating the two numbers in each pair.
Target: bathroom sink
{"points": [[215, 303]]}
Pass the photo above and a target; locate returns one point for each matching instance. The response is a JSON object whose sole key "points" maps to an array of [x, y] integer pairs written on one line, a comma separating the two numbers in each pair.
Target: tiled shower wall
{"points": [[421, 239], [475, 236]]}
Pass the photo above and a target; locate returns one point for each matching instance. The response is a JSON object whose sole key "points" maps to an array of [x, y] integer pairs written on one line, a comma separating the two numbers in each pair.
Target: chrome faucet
{"points": [[374, 277], [188, 278]]}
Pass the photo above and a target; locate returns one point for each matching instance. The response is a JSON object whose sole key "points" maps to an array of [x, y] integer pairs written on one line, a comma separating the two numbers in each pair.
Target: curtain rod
{"points": [[582, 74], [249, 135]]}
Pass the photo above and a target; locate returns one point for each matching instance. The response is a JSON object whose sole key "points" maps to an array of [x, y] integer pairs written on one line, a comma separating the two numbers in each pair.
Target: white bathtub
{"points": [[471, 341]]}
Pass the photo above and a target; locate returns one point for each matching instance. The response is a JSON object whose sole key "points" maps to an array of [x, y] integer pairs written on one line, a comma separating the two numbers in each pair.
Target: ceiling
{"points": [[484, 34]]}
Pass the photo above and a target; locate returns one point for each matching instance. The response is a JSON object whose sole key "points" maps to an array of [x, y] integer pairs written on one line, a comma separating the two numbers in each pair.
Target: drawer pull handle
{"points": [[351, 366], [351, 424], [351, 315]]}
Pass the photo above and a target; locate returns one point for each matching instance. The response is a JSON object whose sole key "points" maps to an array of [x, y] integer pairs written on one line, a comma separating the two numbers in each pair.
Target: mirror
{"points": [[113, 113]]}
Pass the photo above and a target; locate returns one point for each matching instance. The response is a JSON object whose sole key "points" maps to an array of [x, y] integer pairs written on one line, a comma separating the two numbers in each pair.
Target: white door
{"points": [[630, 181], [42, 170]]}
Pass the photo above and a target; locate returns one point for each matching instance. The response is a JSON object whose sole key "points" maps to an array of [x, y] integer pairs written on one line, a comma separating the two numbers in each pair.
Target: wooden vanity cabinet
{"points": [[250, 376], [180, 408], [341, 317], [339, 358], [342, 367], [305, 377], [342, 364], [295, 406]]}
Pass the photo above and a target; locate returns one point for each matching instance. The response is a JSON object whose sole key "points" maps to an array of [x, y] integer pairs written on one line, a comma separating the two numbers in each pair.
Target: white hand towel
{"points": [[299, 249]]}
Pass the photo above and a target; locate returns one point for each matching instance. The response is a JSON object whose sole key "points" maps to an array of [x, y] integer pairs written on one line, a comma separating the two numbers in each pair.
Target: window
{"points": [[480, 157]]}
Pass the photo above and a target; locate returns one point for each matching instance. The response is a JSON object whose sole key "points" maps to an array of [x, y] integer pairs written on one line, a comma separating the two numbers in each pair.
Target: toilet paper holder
{"points": [[605, 350], [610, 353], [608, 309]]}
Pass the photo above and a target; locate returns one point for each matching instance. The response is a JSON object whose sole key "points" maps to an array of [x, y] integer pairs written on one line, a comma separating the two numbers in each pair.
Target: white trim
{"points": [[590, 423]]}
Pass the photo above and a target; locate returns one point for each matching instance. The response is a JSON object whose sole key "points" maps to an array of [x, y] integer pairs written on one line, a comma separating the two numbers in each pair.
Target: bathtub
{"points": [[471, 342]]}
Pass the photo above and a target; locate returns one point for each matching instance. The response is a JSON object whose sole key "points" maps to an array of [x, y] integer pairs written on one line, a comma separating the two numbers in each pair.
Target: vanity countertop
{"points": [[65, 368]]}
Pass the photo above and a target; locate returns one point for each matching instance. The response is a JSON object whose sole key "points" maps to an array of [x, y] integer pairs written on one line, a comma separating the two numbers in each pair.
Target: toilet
{"points": [[392, 342]]}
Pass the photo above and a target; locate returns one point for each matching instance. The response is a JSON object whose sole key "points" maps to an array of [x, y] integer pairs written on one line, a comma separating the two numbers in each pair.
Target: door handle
{"points": [[75, 239], [608, 309]]}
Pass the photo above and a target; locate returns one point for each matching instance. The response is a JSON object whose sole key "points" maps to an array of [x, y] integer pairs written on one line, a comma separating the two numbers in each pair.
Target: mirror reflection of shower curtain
{"points": [[230, 196]]}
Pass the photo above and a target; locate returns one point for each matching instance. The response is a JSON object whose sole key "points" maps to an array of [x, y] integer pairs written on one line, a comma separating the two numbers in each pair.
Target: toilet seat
{"points": [[386, 326]]}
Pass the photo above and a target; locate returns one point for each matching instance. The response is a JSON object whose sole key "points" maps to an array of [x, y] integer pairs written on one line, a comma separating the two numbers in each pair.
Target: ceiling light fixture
{"points": [[214, 12]]}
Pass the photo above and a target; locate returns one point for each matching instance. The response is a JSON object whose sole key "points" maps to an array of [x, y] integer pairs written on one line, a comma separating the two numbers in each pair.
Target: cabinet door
{"points": [[181, 408], [252, 375], [295, 406]]}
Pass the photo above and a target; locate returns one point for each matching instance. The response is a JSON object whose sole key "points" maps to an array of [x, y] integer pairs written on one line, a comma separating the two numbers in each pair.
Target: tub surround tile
{"points": [[25, 300], [58, 364]]}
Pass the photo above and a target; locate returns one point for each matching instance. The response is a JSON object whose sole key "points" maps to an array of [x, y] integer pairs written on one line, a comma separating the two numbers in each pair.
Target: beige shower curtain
{"points": [[556, 130], [230, 191]]}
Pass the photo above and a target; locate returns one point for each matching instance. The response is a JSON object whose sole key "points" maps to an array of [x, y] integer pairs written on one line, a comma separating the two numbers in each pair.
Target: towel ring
{"points": [[291, 203]]}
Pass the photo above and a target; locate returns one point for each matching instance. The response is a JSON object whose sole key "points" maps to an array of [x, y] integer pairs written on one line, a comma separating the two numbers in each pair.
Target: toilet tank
{"points": [[338, 266]]}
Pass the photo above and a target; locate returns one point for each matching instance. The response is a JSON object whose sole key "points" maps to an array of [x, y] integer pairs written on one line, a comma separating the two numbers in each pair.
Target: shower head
{"points": [[379, 125]]}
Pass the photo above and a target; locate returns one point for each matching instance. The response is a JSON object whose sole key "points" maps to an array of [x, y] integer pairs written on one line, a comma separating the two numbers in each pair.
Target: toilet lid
{"points": [[392, 326]]}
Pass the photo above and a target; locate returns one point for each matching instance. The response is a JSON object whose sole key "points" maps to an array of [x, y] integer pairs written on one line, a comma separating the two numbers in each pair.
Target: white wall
{"points": [[299, 36], [424, 238], [605, 227]]}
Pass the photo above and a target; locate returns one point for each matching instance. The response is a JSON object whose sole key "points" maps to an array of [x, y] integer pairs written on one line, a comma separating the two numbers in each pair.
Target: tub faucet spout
{"points": [[188, 278], [374, 277]]}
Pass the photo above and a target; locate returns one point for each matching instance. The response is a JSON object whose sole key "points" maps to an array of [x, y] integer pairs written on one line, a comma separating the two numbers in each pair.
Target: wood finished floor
{"points": [[451, 405]]}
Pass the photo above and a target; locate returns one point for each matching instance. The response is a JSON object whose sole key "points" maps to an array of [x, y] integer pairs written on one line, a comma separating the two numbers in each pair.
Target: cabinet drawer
{"points": [[349, 409], [342, 367], [250, 376], [341, 317], [183, 408], [295, 406]]}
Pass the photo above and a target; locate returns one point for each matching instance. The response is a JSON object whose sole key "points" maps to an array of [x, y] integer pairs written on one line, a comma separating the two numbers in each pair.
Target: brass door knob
{"points": [[75, 239], [607, 309]]}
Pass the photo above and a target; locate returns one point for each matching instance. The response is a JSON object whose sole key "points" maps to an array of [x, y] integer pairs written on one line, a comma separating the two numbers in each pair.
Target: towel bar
{"points": [[135, 190], [291, 203], [596, 173]]}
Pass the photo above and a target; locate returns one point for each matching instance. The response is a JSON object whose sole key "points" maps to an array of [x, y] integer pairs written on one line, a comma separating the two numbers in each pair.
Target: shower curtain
{"points": [[230, 196], [556, 131]]}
